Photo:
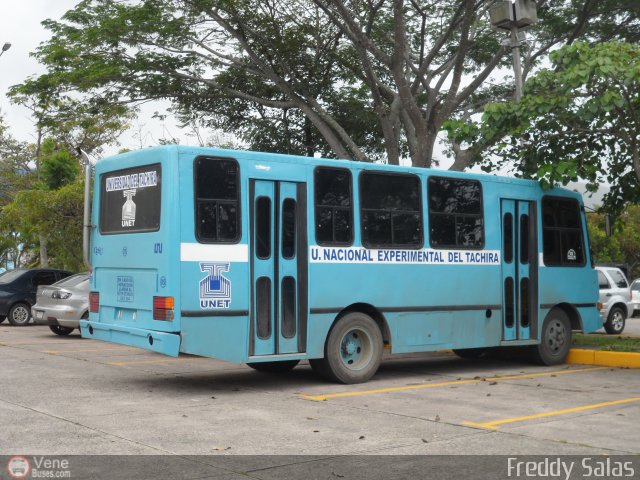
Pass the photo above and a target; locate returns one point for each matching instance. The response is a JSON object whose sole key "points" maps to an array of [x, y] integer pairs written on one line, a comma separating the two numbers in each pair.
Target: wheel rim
{"points": [[556, 336], [20, 315], [356, 349], [617, 321]]}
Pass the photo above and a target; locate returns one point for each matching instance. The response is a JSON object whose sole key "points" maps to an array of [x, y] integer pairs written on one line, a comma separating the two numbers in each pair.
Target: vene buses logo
{"points": [[18, 467], [215, 288]]}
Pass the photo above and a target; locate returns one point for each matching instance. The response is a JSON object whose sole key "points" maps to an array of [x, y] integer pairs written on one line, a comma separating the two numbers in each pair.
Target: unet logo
{"points": [[215, 288]]}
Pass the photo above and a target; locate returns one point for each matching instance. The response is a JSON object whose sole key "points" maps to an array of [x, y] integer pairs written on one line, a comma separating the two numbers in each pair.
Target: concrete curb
{"points": [[607, 359]]}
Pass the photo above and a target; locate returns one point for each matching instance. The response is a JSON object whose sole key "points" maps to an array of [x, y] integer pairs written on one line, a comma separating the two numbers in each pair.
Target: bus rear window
{"points": [[130, 200], [217, 200], [562, 232]]}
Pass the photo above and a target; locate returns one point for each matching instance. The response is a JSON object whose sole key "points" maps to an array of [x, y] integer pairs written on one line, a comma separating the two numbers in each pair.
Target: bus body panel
{"points": [[428, 298], [130, 269]]}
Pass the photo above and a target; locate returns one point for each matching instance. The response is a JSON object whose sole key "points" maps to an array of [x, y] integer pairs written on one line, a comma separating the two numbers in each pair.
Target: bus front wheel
{"points": [[556, 339], [353, 351], [283, 366]]}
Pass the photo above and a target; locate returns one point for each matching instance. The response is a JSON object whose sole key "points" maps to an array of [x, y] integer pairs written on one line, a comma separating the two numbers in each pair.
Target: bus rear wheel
{"points": [[556, 339], [274, 367], [353, 351]]}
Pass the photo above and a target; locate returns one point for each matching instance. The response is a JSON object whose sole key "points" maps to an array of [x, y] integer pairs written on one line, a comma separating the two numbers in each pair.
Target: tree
{"points": [[360, 79], [624, 244], [579, 119]]}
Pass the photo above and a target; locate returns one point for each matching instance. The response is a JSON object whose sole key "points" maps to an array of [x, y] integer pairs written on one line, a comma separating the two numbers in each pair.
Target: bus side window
{"points": [[456, 218], [333, 206], [562, 232], [217, 198], [391, 210]]}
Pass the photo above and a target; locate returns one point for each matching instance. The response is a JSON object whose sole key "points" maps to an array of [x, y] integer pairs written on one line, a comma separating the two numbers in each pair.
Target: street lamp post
{"points": [[514, 15], [5, 47]]}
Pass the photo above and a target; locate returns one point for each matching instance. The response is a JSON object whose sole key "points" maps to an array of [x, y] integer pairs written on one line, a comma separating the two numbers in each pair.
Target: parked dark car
{"points": [[18, 291]]}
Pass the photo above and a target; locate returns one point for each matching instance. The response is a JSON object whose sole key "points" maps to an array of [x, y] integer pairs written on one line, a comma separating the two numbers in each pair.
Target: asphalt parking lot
{"points": [[63, 395]]}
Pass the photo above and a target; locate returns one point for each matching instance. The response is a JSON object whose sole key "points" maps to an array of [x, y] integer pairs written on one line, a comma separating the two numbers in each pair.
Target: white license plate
{"points": [[39, 314]]}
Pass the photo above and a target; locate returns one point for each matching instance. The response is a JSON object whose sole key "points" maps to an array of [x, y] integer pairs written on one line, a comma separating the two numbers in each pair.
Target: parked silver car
{"points": [[615, 299], [63, 304]]}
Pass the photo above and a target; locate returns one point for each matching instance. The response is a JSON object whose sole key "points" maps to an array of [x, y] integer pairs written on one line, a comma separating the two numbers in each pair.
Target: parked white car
{"points": [[635, 296], [615, 299]]}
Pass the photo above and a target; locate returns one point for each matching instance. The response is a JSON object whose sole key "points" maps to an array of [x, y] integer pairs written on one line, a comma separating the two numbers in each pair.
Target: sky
{"points": [[20, 25]]}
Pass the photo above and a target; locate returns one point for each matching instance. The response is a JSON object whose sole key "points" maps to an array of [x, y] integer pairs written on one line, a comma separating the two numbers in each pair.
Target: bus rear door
{"points": [[278, 243], [519, 270]]}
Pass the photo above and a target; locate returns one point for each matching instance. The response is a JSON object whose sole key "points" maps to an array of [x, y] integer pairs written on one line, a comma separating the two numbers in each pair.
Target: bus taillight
{"points": [[163, 308], [94, 302]]}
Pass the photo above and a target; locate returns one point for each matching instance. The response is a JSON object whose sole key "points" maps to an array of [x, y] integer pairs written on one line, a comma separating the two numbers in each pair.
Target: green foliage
{"points": [[57, 214], [57, 166], [577, 120], [310, 76], [624, 244]]}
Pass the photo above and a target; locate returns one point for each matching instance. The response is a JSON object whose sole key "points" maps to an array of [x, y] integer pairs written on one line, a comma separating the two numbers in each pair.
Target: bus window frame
{"points": [[400, 246], [351, 209], [238, 237], [579, 228], [103, 177], [482, 215]]}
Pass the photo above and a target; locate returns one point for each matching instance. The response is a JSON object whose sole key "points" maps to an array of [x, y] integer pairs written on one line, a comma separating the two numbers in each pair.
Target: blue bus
{"points": [[271, 259]]}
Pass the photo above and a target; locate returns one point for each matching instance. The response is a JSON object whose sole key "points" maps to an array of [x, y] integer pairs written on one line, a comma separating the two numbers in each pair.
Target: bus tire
{"points": [[283, 366], [60, 330], [19, 314], [615, 321], [470, 353], [556, 339], [353, 351]]}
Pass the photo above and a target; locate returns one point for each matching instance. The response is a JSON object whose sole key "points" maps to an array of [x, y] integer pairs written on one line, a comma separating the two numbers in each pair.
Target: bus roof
{"points": [[150, 154]]}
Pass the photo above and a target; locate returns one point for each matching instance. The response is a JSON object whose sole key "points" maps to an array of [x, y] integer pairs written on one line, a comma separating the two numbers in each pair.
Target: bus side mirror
{"points": [[607, 224]]}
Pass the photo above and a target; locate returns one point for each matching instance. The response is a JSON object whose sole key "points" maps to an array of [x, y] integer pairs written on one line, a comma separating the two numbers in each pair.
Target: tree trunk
{"points": [[44, 257]]}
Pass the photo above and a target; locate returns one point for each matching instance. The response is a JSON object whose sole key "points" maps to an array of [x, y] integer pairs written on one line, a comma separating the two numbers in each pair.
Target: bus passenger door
{"points": [[279, 267], [519, 269]]}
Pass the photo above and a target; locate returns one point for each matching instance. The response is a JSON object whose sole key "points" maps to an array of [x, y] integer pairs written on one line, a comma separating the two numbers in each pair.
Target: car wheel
{"points": [[556, 339], [60, 330], [615, 321], [2, 318], [19, 314], [274, 367], [469, 352], [353, 351]]}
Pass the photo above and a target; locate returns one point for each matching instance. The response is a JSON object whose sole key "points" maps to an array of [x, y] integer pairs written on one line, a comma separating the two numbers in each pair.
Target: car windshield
{"points": [[73, 280], [11, 275]]}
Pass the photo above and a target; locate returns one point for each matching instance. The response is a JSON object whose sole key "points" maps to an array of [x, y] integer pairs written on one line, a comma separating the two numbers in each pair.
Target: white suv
{"points": [[615, 299]]}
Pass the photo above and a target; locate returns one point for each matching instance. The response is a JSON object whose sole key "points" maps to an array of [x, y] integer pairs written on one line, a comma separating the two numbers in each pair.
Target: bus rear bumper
{"points": [[161, 342]]}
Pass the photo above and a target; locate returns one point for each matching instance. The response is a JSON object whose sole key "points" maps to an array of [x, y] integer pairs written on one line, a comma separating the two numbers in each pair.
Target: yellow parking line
{"points": [[165, 360], [495, 424], [446, 384], [56, 352]]}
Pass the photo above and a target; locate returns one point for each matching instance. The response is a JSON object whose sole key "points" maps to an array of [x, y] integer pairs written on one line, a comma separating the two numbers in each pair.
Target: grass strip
{"points": [[611, 343]]}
